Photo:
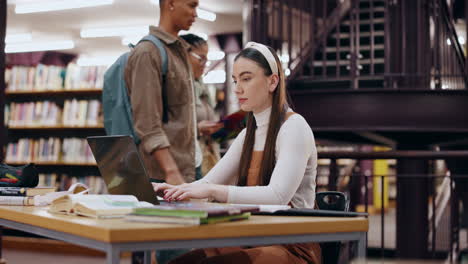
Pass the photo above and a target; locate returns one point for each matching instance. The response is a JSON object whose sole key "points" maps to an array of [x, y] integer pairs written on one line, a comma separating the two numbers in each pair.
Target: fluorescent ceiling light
{"points": [[114, 31], [218, 76], [54, 5], [15, 38], [39, 46], [206, 15], [201, 35], [203, 14], [131, 40], [96, 61], [215, 55]]}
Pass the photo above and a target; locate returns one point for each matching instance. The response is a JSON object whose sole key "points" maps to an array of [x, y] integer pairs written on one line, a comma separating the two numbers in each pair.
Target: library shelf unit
{"points": [[26, 123], [62, 92], [59, 127], [70, 164]]}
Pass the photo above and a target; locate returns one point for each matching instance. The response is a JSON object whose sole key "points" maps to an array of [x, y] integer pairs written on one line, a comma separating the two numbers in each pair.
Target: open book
{"points": [[97, 206]]}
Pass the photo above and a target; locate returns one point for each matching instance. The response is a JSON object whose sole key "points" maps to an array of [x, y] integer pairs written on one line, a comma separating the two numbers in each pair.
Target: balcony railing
{"points": [[446, 239]]}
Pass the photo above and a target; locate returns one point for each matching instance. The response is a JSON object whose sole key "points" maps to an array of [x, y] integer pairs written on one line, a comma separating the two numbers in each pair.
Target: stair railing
{"points": [[295, 27], [449, 59], [439, 62]]}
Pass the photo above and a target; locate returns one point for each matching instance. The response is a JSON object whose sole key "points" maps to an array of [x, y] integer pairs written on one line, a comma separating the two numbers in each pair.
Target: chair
{"points": [[336, 201]]}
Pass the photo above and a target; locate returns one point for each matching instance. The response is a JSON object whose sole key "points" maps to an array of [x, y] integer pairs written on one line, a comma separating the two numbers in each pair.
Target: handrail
{"points": [[454, 39], [331, 22], [398, 154]]}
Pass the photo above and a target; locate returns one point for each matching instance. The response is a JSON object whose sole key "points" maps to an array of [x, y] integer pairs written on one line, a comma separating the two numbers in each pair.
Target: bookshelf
{"points": [[77, 92], [60, 127], [70, 164], [49, 111]]}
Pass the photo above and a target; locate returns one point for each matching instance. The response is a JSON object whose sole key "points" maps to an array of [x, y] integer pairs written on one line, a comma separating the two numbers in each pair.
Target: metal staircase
{"points": [[362, 36]]}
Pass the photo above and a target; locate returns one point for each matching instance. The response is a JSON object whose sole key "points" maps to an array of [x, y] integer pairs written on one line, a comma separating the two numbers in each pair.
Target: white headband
{"points": [[265, 51]]}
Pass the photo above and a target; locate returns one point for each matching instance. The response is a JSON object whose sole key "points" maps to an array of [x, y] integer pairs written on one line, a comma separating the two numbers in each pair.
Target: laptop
{"points": [[121, 167]]}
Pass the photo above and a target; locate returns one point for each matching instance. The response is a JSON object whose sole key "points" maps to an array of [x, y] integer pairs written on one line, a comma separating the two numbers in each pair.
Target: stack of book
{"points": [[20, 195], [191, 213]]}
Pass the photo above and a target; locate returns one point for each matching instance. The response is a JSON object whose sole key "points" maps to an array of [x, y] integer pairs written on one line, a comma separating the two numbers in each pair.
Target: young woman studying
{"points": [[272, 161]]}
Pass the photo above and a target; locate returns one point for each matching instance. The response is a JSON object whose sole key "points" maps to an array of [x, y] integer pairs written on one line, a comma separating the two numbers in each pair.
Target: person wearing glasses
{"points": [[208, 152]]}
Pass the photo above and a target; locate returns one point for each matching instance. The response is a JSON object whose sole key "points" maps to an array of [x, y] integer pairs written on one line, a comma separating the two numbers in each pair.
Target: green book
{"points": [[194, 209], [224, 218], [185, 220]]}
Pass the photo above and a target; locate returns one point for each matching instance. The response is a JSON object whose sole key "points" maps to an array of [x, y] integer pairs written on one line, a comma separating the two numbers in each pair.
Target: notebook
{"points": [[121, 167]]}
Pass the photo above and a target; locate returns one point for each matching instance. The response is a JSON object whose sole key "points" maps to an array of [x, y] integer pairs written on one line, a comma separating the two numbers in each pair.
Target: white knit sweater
{"points": [[293, 178]]}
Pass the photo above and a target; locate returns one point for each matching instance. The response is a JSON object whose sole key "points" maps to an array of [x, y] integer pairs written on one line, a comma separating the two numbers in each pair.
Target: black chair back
{"points": [[336, 201]]}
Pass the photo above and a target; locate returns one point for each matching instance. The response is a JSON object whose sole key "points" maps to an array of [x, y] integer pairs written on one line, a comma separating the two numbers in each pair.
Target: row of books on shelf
{"points": [[46, 113], [49, 77], [66, 150], [62, 182]]}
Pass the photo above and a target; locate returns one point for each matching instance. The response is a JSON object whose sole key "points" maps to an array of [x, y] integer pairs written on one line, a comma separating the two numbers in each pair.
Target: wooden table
{"points": [[114, 236]]}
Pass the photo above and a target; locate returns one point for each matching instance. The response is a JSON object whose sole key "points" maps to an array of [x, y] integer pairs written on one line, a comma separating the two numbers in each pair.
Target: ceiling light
{"points": [[96, 61], [131, 40], [203, 14], [461, 40], [114, 31], [201, 35], [284, 58], [449, 42], [206, 15], [15, 38], [39, 46], [215, 55], [54, 5], [218, 76]]}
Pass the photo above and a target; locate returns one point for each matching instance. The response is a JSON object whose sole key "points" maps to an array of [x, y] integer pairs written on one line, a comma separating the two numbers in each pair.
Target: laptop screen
{"points": [[121, 167]]}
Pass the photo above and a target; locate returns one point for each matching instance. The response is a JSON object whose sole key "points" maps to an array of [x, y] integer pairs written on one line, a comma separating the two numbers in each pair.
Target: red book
{"points": [[233, 125]]}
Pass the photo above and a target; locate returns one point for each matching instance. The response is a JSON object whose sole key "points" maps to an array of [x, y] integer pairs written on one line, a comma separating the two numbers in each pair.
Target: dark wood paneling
{"points": [[400, 113]]}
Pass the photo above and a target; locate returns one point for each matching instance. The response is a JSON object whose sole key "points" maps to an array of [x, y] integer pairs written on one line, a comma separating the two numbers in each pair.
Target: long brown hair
{"points": [[278, 111]]}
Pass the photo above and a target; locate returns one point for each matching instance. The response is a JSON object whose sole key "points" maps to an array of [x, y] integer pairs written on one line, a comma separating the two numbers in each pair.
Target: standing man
{"points": [[168, 149]]}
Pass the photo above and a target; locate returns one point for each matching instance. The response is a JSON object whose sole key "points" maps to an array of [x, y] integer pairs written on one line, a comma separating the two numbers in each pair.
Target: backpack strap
{"points": [[162, 51]]}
